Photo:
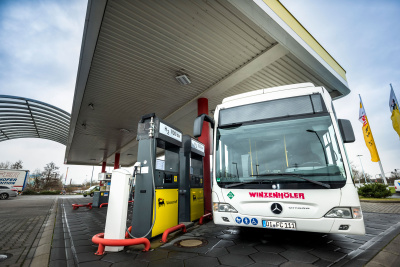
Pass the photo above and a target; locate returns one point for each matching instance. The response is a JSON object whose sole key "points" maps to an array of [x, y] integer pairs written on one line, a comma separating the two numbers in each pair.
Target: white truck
{"points": [[279, 162], [15, 178]]}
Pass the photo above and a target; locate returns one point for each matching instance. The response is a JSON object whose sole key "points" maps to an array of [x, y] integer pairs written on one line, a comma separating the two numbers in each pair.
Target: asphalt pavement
{"points": [[41, 230]]}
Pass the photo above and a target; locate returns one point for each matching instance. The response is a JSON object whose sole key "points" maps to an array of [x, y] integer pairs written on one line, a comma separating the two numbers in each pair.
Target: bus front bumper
{"points": [[320, 225]]}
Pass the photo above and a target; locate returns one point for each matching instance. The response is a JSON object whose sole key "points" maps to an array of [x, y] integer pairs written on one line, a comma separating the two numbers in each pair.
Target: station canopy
{"points": [[132, 52], [22, 117]]}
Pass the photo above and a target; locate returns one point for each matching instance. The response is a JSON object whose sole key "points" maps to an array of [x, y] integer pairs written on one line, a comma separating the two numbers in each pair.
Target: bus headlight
{"points": [[223, 207], [344, 213]]}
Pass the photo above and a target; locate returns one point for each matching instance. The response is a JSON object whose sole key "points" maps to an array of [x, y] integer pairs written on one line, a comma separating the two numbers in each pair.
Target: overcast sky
{"points": [[41, 41]]}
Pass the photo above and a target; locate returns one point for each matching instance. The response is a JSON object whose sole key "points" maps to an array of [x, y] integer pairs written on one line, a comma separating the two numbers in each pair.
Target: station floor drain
{"points": [[191, 243], [4, 256]]}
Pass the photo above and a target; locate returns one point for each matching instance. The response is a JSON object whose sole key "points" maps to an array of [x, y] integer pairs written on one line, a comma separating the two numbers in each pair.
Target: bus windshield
{"points": [[299, 152]]}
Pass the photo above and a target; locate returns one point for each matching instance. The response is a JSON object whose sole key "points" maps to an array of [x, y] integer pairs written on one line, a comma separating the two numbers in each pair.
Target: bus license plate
{"points": [[279, 225]]}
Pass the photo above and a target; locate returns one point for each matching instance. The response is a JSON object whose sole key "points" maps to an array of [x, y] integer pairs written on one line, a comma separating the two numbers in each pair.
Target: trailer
{"points": [[15, 178]]}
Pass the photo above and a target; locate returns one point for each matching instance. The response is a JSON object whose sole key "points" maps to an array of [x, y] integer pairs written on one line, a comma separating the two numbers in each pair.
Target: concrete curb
{"points": [[380, 202], [42, 252]]}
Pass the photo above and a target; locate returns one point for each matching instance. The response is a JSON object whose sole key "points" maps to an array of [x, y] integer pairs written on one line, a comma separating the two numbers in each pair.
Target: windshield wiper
{"points": [[242, 183], [294, 175]]}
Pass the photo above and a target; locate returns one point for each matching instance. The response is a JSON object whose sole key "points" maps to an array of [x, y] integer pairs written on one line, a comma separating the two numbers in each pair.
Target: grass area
{"points": [[381, 199], [392, 189]]}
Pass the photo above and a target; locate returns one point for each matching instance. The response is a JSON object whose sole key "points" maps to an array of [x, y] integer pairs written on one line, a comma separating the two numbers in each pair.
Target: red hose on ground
{"points": [[129, 230], [172, 229], [99, 239], [76, 206], [106, 204], [208, 215]]}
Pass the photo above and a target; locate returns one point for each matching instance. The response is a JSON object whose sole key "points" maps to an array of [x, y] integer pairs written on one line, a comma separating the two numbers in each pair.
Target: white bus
{"points": [[279, 162]]}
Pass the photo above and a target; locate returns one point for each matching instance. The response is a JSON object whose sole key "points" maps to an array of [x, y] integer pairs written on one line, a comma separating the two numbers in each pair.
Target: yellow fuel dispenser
{"points": [[156, 190], [191, 196]]}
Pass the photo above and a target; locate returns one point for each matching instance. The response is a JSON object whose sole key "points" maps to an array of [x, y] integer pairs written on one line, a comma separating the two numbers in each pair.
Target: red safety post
{"points": [[99, 239], [129, 230], [106, 204], [172, 229], [103, 204], [76, 206], [208, 215]]}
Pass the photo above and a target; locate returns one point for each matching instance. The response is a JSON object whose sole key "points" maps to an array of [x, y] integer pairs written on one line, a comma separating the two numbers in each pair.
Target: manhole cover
{"points": [[191, 243], [4, 256]]}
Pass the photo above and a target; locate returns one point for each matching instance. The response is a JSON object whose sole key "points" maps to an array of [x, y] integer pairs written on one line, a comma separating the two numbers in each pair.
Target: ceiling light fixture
{"points": [[84, 125], [182, 77], [124, 130], [91, 106]]}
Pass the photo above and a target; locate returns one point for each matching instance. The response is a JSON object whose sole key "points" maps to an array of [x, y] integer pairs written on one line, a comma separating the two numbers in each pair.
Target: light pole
{"points": [[362, 167], [91, 177]]}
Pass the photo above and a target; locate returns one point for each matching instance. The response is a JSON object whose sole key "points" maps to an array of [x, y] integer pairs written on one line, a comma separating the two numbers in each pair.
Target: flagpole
{"points": [[383, 174]]}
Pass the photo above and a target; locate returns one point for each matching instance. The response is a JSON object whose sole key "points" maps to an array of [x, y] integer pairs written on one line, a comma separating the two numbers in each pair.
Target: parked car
{"points": [[6, 192], [91, 191], [397, 185]]}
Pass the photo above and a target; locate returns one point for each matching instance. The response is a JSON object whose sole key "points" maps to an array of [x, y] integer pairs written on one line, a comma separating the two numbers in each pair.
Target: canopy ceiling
{"points": [[133, 50]]}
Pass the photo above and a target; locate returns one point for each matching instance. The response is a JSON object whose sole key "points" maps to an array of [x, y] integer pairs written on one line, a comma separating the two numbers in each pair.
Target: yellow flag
{"points": [[369, 139], [394, 108], [396, 121]]}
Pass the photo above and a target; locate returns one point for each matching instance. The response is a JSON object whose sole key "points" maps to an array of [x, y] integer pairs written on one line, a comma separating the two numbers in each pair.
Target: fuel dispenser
{"points": [[156, 190], [102, 196], [191, 197]]}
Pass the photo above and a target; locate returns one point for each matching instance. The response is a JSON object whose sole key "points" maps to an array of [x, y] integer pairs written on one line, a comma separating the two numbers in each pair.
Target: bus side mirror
{"points": [[346, 131], [198, 124]]}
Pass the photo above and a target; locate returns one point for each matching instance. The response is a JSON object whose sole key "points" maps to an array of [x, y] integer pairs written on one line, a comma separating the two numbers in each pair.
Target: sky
{"points": [[364, 37], [41, 42]]}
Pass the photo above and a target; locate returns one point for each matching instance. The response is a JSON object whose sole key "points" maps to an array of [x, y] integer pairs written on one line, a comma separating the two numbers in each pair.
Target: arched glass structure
{"points": [[27, 118]]}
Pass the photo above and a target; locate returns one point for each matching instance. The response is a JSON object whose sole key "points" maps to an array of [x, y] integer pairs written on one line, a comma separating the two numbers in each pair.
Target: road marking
{"points": [[70, 238]]}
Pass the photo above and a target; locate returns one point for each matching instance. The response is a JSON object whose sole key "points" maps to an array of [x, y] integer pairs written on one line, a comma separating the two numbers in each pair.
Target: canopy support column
{"points": [[202, 108], [116, 161]]}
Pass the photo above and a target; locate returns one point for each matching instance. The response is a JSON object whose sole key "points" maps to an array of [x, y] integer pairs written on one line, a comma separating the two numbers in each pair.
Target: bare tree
{"points": [[51, 176], [395, 175], [37, 182], [17, 165], [5, 165], [358, 175]]}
